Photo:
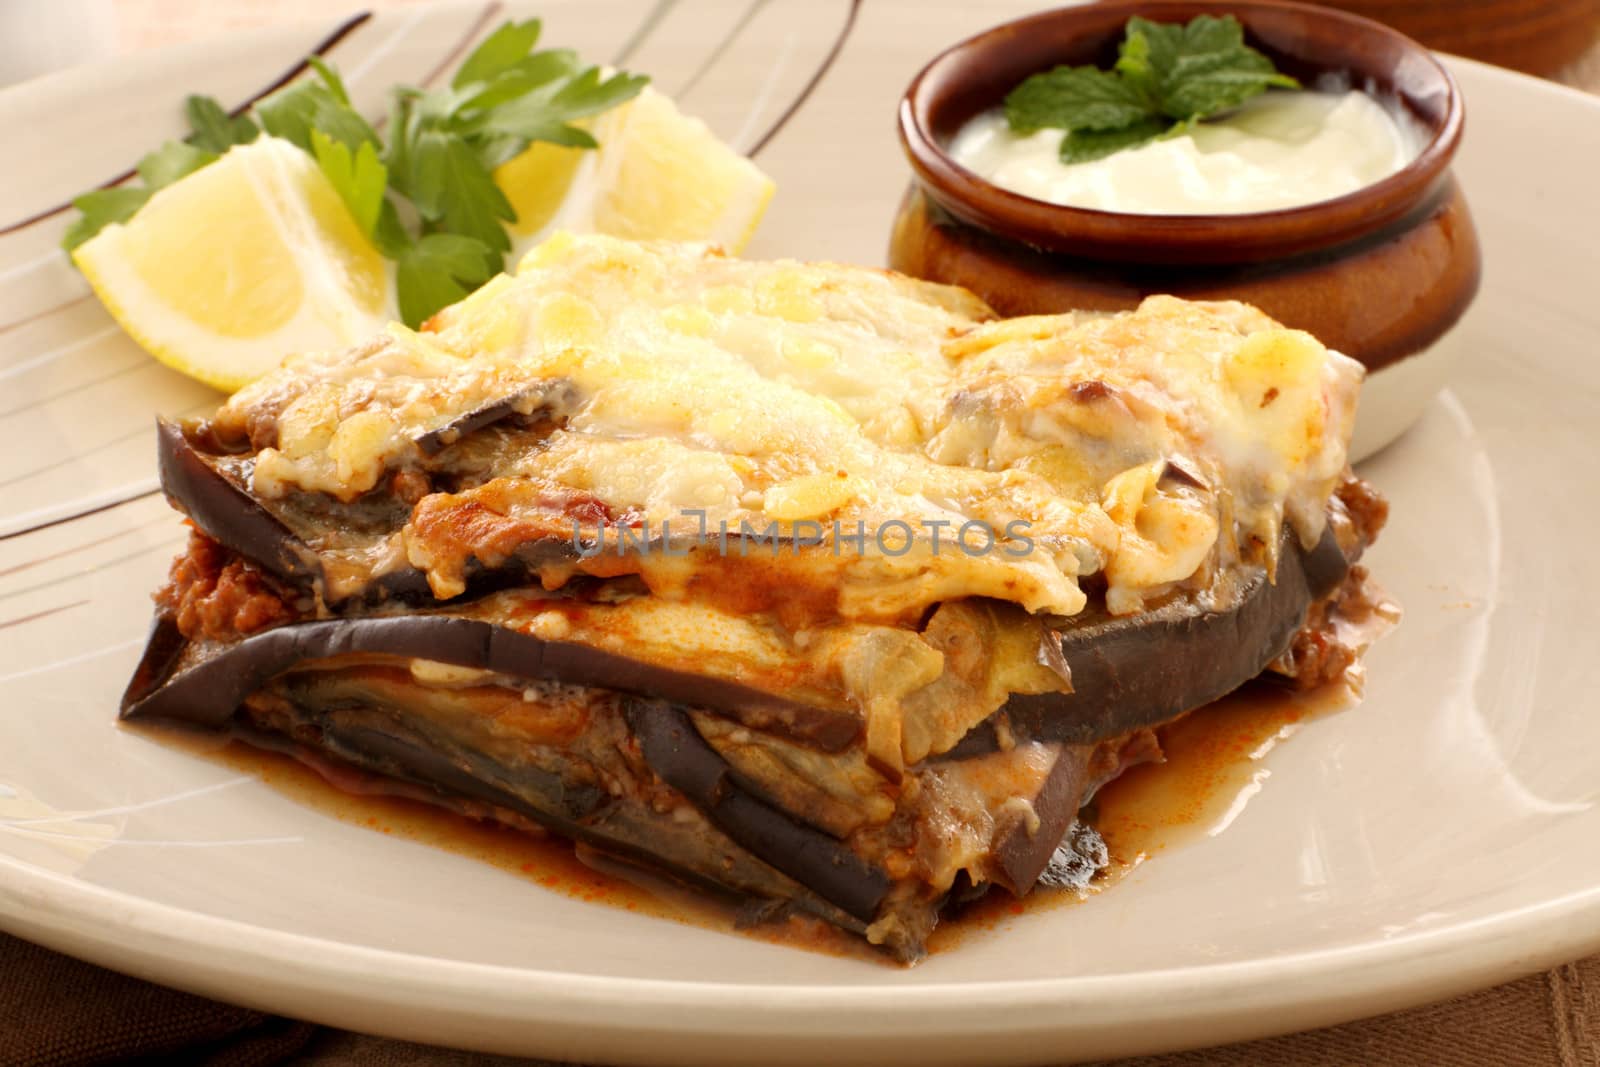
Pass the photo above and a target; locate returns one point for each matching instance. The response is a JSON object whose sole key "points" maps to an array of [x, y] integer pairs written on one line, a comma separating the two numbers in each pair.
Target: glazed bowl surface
{"points": [[1534, 36]]}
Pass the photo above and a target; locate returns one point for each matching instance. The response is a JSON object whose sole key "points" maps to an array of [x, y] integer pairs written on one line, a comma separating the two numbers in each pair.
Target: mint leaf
{"points": [[1134, 63], [500, 51], [1082, 146], [214, 129], [1208, 35], [1074, 98], [1167, 76], [358, 176], [1198, 69], [1221, 90], [439, 270], [100, 209], [1153, 47], [172, 161]]}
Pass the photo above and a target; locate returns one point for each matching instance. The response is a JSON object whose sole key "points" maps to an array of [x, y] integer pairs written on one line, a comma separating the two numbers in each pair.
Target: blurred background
{"points": [[1551, 38], [1544, 37]]}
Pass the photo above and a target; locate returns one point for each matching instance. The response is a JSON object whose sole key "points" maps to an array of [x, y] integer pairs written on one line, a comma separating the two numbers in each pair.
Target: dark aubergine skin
{"points": [[1141, 670], [1127, 673], [1021, 856], [395, 754], [206, 692], [551, 400], [227, 512], [229, 515], [675, 750]]}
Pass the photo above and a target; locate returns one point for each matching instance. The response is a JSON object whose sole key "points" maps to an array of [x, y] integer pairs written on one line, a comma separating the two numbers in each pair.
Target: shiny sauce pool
{"points": [[1213, 767], [1215, 764]]}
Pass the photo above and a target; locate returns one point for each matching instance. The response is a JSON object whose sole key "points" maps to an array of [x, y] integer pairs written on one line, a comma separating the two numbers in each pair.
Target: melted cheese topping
{"points": [[1156, 446]]}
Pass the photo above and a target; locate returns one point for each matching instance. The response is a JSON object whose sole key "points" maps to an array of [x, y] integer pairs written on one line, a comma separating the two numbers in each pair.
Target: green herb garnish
{"points": [[214, 129], [1167, 78], [424, 192]]}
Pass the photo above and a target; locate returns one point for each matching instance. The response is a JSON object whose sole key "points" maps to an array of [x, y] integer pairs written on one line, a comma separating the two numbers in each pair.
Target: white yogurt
{"points": [[1278, 150]]}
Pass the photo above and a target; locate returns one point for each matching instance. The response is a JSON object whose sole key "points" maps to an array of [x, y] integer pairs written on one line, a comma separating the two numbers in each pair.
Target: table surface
{"points": [[146, 23], [1551, 1018]]}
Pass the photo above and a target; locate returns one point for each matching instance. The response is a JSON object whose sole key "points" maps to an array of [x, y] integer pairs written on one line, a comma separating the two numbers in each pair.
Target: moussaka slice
{"points": [[815, 587]]}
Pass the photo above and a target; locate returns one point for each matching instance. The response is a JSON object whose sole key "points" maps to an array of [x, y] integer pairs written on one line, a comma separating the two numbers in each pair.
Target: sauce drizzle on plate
{"points": [[1214, 766]]}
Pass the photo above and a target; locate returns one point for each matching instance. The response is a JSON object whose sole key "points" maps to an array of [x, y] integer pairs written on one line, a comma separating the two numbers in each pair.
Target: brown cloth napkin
{"points": [[56, 1012]]}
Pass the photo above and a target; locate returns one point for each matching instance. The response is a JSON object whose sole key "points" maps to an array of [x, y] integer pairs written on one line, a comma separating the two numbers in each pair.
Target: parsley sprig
{"points": [[425, 194], [1167, 78]]}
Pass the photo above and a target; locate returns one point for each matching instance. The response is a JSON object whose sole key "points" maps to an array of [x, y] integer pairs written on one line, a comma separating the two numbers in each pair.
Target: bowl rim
{"points": [[1174, 239]]}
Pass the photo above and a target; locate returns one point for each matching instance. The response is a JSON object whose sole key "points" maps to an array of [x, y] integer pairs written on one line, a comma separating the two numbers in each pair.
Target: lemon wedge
{"points": [[658, 175], [537, 182], [255, 257], [224, 273]]}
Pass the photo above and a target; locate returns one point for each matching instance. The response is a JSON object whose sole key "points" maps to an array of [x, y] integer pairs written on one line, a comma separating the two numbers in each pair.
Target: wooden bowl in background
{"points": [[1536, 36]]}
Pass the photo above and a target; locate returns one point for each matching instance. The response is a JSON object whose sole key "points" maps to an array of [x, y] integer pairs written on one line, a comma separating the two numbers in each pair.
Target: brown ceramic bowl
{"points": [[1381, 274], [1535, 36]]}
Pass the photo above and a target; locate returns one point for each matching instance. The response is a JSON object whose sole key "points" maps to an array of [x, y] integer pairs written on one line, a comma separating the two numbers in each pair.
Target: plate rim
{"points": [[102, 924], [54, 902]]}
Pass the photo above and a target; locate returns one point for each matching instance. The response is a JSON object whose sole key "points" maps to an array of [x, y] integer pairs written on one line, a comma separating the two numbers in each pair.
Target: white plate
{"points": [[1443, 836]]}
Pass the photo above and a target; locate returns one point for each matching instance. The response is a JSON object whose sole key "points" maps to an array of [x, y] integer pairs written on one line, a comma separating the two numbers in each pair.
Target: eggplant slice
{"points": [[222, 506], [620, 752], [1129, 675], [1141, 670], [544, 401], [427, 766], [202, 685], [683, 759], [305, 538]]}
